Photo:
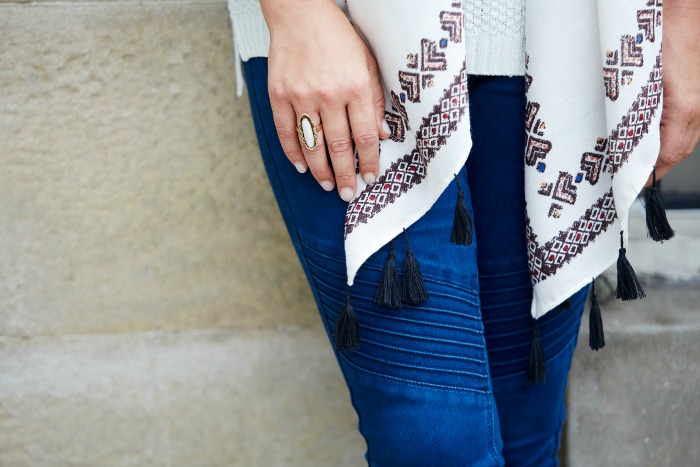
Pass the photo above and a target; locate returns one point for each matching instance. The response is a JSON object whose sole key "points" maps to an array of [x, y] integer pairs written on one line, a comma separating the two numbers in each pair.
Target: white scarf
{"points": [[593, 111]]}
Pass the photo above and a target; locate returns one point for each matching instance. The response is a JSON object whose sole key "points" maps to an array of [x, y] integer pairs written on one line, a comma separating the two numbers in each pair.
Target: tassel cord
{"points": [[628, 285], [596, 336], [413, 287], [462, 225], [658, 227], [389, 288]]}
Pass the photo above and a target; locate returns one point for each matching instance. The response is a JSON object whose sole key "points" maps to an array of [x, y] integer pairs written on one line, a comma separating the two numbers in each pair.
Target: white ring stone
{"points": [[308, 132]]}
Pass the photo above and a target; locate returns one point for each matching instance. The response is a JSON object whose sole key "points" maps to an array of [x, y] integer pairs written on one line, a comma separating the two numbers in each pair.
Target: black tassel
{"points": [[347, 331], [389, 289], [596, 336], [658, 227], [628, 286], [536, 364], [413, 290], [462, 224]]}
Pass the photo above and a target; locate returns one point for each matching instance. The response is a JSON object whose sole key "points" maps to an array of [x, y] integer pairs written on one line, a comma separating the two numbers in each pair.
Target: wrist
{"points": [[281, 15]]}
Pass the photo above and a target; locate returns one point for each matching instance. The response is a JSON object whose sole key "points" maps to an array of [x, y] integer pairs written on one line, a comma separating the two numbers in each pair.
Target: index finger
{"points": [[363, 125]]}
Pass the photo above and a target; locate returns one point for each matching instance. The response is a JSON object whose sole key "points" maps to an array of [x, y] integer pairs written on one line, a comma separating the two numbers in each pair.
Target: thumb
{"points": [[378, 98]]}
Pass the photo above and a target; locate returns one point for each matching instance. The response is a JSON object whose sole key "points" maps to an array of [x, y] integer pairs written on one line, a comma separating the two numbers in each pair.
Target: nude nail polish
{"points": [[346, 194], [326, 185], [385, 126]]}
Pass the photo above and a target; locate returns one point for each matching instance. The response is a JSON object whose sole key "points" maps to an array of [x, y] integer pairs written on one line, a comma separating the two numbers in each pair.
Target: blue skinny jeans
{"points": [[441, 383]]}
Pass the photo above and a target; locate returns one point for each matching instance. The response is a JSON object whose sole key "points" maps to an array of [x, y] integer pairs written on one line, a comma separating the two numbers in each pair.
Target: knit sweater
{"points": [[494, 35]]}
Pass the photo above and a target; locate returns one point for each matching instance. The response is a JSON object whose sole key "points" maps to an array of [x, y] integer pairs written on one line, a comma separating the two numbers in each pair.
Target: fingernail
{"points": [[346, 194], [369, 178], [326, 185], [301, 167], [385, 126]]}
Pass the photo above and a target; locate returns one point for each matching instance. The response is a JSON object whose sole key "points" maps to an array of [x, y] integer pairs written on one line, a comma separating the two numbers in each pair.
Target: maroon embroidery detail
{"points": [[410, 169], [646, 19], [395, 121], [409, 83], [591, 164], [545, 260], [536, 149], [545, 188], [412, 61], [555, 210], [431, 58], [564, 189], [452, 23], [612, 86], [635, 124], [399, 109], [630, 53]]}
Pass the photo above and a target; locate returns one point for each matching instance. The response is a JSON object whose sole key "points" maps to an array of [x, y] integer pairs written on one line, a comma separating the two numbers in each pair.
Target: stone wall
{"points": [[153, 311]]}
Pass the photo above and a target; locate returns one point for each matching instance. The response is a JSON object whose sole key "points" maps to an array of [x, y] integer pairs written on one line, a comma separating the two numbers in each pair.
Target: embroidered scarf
{"points": [[594, 94]]}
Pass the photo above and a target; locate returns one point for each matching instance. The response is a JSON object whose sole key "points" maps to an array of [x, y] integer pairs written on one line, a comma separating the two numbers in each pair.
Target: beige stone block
{"points": [[635, 402], [248, 398], [132, 192]]}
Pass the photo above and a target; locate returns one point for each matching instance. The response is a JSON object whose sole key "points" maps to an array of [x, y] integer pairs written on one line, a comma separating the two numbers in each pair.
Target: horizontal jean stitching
{"points": [[418, 367], [412, 382], [409, 336], [418, 352], [554, 343], [436, 294], [428, 280], [547, 359], [426, 276], [407, 320]]}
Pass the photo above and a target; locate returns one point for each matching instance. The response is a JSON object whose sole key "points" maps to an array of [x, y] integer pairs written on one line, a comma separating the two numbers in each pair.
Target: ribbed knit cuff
{"points": [[494, 55], [251, 38]]}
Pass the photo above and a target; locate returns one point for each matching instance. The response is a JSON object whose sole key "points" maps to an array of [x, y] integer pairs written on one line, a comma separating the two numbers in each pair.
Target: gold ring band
{"points": [[308, 132]]}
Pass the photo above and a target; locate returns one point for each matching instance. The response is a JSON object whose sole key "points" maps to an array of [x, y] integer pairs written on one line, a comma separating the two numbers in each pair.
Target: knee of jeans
{"points": [[412, 425]]}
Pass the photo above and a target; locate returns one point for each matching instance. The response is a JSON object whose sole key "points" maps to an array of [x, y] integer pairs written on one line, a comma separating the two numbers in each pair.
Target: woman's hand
{"points": [[318, 65], [680, 117]]}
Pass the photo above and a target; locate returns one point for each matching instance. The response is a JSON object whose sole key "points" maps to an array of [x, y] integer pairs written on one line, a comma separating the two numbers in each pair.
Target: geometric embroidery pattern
{"points": [[410, 169], [409, 82], [545, 260], [591, 164], [431, 58], [395, 122], [452, 23], [564, 189], [635, 124]]}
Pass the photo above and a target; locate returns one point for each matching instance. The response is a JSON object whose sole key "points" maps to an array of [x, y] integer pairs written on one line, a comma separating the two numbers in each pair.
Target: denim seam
{"points": [[428, 280], [428, 277], [418, 352], [410, 381], [421, 307], [418, 367], [411, 321], [547, 359]]}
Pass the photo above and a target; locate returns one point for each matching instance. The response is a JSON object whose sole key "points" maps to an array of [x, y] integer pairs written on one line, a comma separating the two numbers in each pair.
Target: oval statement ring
{"points": [[308, 132]]}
